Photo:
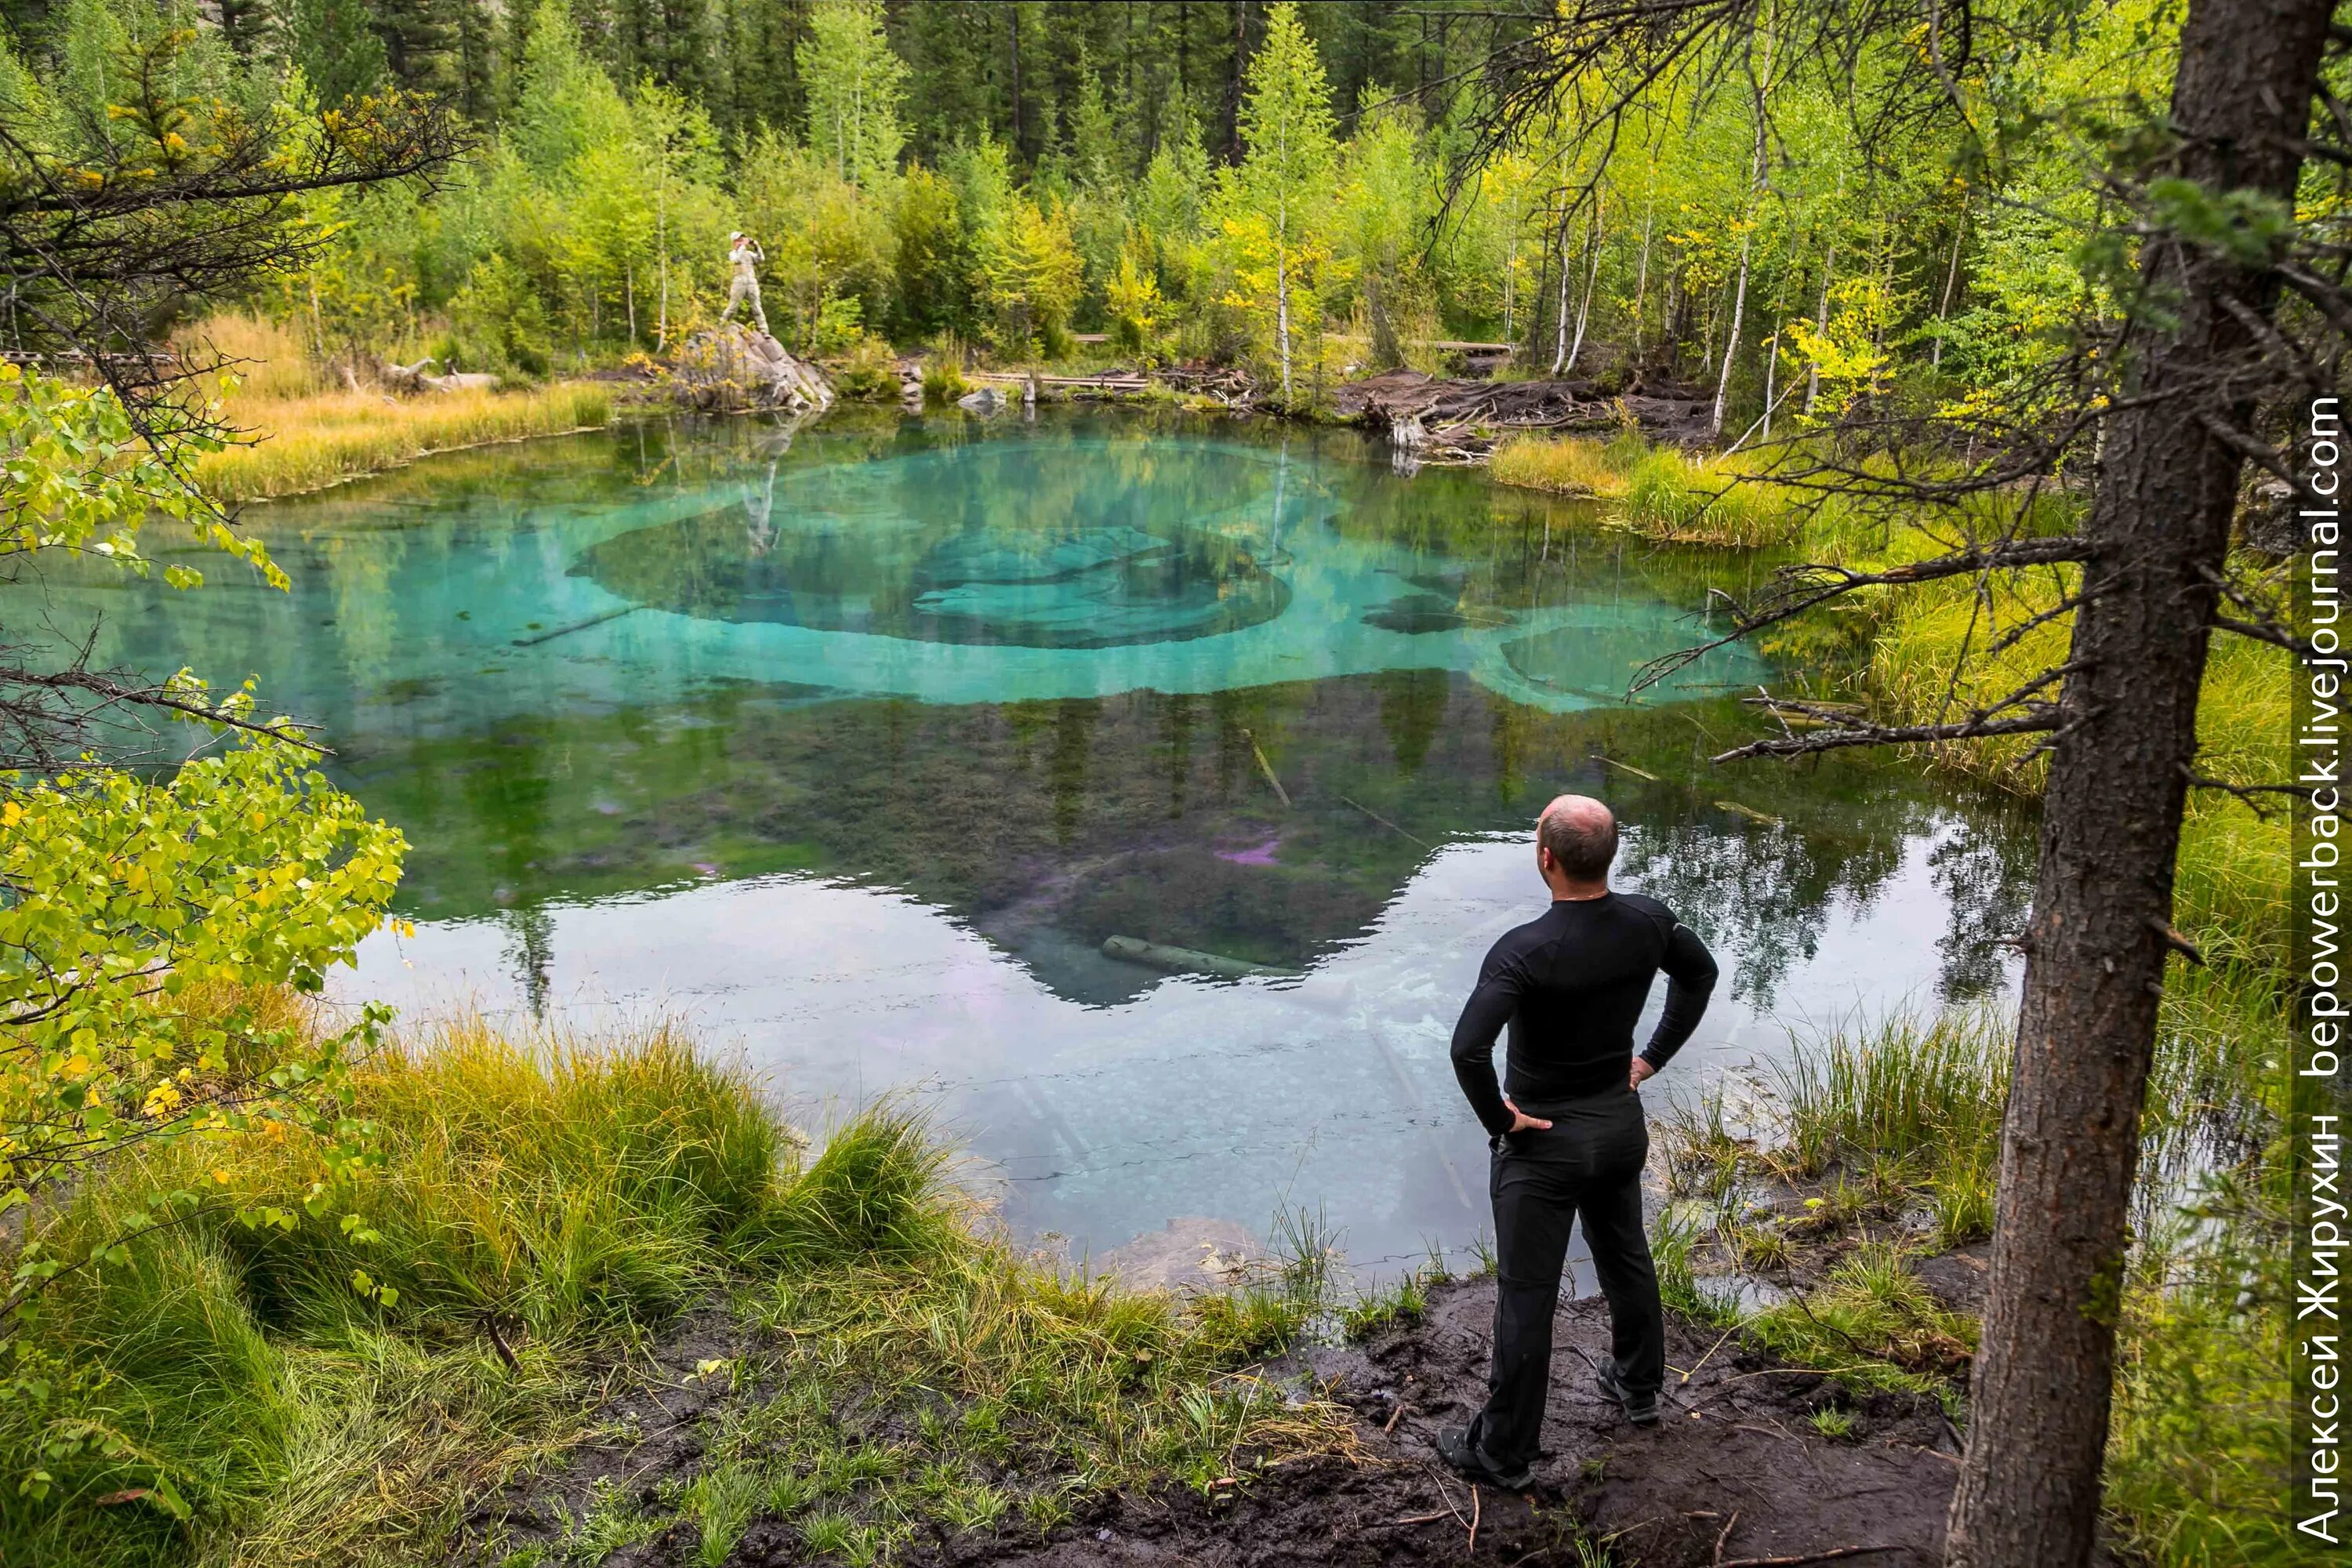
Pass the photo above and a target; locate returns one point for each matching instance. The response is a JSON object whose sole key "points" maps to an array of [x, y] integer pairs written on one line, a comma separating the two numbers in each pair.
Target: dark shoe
{"points": [[1454, 1446], [1641, 1409]]}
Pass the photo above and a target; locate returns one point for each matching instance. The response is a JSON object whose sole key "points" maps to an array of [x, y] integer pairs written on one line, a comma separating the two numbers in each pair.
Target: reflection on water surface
{"points": [[858, 741]]}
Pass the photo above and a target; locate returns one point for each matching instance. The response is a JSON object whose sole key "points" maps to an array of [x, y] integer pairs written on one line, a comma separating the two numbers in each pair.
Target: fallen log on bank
{"points": [[1466, 419], [413, 378]]}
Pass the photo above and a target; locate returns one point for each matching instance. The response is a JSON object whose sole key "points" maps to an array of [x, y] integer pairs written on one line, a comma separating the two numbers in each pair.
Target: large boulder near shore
{"points": [[733, 367]]}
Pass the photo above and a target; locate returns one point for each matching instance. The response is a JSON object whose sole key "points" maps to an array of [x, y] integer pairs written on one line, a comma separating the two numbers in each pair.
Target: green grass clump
{"points": [[1907, 1104], [1565, 466], [1657, 493], [943, 380], [1702, 1156], [1905, 1088], [1402, 1304], [1833, 1422], [1674, 1245], [1875, 1324], [543, 1199]]}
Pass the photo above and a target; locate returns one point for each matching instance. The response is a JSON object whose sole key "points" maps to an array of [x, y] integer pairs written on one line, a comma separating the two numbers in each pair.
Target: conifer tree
{"points": [[338, 51]]}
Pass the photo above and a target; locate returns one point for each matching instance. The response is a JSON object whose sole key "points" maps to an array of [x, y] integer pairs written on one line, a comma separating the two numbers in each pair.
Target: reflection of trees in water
{"points": [[1147, 815], [530, 953], [1764, 893], [1412, 707], [1987, 878], [1767, 892]]}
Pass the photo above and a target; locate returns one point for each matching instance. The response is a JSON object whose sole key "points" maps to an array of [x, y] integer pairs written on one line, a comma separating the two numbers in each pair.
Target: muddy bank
{"points": [[1735, 1473]]}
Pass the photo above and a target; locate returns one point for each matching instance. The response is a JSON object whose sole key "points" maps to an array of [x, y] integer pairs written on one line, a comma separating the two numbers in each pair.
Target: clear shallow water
{"points": [[854, 743]]}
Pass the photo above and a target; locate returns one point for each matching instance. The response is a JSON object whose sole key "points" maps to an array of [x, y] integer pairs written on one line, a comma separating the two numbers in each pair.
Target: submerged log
{"points": [[1183, 960]]}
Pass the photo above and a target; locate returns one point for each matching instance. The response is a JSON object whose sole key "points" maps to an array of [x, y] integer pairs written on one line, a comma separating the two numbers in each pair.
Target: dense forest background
{"points": [[1287, 187]]}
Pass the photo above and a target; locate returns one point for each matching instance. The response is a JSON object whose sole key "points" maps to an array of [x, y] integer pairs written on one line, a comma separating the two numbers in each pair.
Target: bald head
{"points": [[1580, 834]]}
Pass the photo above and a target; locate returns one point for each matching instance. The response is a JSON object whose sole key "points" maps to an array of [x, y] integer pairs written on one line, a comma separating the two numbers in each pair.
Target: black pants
{"points": [[1588, 1163]]}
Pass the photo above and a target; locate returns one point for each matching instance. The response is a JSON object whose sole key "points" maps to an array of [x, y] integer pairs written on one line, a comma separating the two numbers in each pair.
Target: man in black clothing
{"points": [[1568, 1137]]}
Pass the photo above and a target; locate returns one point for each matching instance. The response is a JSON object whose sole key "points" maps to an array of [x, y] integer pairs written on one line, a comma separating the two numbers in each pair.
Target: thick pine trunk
{"points": [[2029, 1492]]}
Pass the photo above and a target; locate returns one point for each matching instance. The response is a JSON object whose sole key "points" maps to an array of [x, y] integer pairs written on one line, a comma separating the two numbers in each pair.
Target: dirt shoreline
{"points": [[1735, 1474]]}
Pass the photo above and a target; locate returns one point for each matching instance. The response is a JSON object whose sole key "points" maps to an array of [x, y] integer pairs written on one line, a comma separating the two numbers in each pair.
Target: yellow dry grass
{"points": [[308, 443], [305, 435]]}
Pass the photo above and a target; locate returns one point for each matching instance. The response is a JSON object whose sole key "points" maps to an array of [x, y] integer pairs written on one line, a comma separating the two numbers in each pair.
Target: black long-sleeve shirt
{"points": [[1572, 984]]}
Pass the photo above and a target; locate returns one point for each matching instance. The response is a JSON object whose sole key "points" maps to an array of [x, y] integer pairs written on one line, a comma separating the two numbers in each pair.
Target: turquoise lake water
{"points": [[851, 743]]}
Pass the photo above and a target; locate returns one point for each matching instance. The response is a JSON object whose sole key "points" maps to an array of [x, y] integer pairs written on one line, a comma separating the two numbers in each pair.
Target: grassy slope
{"points": [[566, 1202]]}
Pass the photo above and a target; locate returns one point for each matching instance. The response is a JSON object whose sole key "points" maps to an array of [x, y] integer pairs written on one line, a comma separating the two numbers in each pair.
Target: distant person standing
{"points": [[744, 256], [1568, 1137]]}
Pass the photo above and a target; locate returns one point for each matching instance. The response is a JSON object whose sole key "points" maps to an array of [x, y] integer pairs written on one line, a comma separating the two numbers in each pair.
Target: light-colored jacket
{"points": [[745, 253]]}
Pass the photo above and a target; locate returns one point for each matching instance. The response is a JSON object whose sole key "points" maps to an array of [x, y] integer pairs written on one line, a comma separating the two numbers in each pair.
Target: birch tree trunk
{"points": [[1641, 272], [1821, 328], [1763, 85], [1559, 354], [1282, 262], [1951, 280], [1731, 341], [1591, 277]]}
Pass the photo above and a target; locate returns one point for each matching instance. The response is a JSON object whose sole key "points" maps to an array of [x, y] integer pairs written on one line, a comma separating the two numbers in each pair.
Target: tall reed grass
{"points": [[1904, 1086]]}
